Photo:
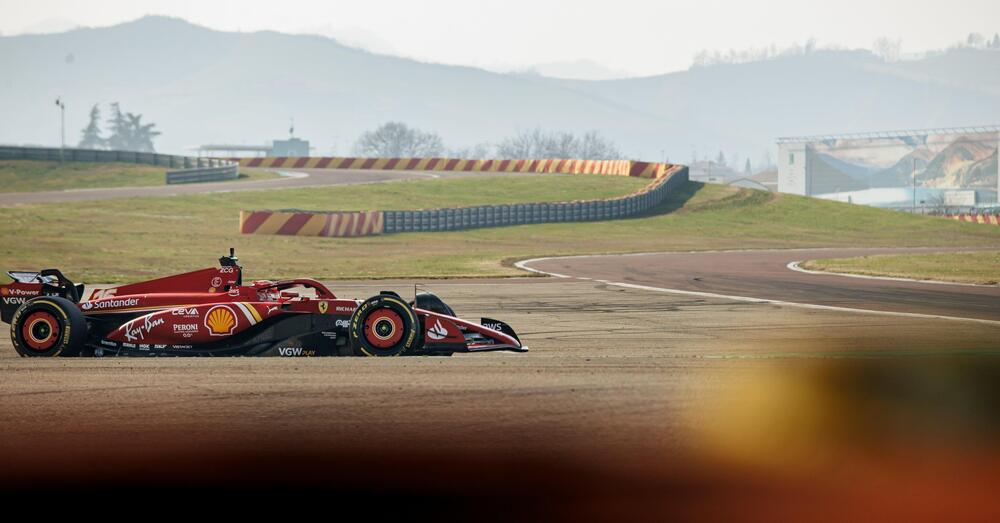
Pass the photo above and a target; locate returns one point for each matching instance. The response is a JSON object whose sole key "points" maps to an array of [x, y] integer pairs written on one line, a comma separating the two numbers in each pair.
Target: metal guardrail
{"points": [[208, 174], [195, 169], [533, 213]]}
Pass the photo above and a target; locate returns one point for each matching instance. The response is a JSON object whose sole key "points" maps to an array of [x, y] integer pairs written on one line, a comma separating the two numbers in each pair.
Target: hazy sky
{"points": [[635, 36]]}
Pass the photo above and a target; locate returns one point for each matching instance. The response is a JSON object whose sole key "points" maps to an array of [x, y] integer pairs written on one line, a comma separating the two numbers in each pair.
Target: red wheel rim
{"points": [[383, 328], [40, 331]]}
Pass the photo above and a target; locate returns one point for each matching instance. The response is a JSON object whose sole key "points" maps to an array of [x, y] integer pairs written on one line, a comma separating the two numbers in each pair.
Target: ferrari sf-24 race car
{"points": [[211, 312]]}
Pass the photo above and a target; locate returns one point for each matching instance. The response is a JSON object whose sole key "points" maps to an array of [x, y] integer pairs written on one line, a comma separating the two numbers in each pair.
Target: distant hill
{"points": [[205, 86], [579, 70]]}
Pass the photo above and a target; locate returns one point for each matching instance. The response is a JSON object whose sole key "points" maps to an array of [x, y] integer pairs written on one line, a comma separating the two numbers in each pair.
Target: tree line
{"points": [[398, 140], [125, 131], [887, 49]]}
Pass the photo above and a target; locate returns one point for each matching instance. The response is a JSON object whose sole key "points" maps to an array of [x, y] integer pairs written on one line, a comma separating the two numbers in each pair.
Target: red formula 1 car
{"points": [[212, 313]]}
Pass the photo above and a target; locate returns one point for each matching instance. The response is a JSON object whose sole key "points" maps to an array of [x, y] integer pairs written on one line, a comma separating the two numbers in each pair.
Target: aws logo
{"points": [[220, 321]]}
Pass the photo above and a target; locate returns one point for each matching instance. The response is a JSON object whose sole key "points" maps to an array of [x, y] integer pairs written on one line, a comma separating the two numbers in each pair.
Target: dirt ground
{"points": [[616, 380]]}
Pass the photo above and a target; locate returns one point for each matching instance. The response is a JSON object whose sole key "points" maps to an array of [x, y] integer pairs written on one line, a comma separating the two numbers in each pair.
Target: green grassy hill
{"points": [[32, 176], [120, 240]]}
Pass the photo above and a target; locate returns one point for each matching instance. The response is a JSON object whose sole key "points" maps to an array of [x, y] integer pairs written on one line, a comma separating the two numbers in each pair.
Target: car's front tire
{"points": [[48, 326], [384, 325]]}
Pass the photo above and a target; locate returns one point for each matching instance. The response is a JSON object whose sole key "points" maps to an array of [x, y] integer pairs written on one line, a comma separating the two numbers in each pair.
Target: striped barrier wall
{"points": [[305, 223], [611, 167], [667, 177], [978, 218]]}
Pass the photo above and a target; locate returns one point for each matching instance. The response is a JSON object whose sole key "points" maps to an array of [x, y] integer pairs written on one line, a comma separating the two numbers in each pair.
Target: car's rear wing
{"points": [[25, 276], [29, 284]]}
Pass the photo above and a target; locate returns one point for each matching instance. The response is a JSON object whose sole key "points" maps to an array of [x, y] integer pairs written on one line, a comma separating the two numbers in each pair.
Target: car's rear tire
{"points": [[384, 325], [48, 326]]}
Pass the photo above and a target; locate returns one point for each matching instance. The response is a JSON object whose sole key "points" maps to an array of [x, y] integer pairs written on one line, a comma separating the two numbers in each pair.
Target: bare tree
{"points": [[538, 144], [887, 49], [397, 140], [479, 151], [975, 40], [593, 146], [810, 46], [525, 144], [705, 58]]}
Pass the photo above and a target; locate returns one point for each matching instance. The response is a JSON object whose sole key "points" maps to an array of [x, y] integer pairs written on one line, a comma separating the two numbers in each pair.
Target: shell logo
{"points": [[220, 320], [4, 291]]}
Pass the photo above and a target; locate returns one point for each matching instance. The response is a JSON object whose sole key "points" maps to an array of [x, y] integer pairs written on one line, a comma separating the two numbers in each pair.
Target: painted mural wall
{"points": [[934, 163]]}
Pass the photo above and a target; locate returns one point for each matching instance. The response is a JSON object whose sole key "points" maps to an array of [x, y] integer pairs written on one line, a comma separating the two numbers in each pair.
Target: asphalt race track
{"points": [[605, 416], [314, 178], [765, 275]]}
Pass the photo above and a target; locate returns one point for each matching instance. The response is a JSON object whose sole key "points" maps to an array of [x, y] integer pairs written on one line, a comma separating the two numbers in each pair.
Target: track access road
{"points": [[765, 275]]}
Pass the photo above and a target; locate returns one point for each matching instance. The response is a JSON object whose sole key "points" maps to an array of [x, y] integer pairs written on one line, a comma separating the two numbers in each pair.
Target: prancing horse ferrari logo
{"points": [[323, 306]]}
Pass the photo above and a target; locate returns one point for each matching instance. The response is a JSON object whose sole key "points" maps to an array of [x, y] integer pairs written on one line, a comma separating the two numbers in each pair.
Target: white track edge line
{"points": [[523, 265], [292, 174]]}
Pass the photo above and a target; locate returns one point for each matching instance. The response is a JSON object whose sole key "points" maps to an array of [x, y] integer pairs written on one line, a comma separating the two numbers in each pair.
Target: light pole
{"points": [[62, 127], [914, 186]]}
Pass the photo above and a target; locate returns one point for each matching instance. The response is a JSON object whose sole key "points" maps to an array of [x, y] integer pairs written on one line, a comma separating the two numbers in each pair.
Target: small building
{"points": [[293, 147]]}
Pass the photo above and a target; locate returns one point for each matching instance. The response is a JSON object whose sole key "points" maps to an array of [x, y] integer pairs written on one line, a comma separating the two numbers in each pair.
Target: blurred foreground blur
{"points": [[911, 438]]}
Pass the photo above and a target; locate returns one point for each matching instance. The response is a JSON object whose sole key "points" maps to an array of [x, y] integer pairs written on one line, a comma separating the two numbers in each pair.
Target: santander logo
{"points": [[437, 331]]}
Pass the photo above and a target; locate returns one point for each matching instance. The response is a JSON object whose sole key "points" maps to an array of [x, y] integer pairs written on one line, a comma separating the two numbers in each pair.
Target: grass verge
{"points": [[33, 176], [962, 267], [123, 240]]}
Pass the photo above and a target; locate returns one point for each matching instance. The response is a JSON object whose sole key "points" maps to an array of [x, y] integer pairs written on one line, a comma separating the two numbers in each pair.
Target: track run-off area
{"points": [[768, 276]]}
